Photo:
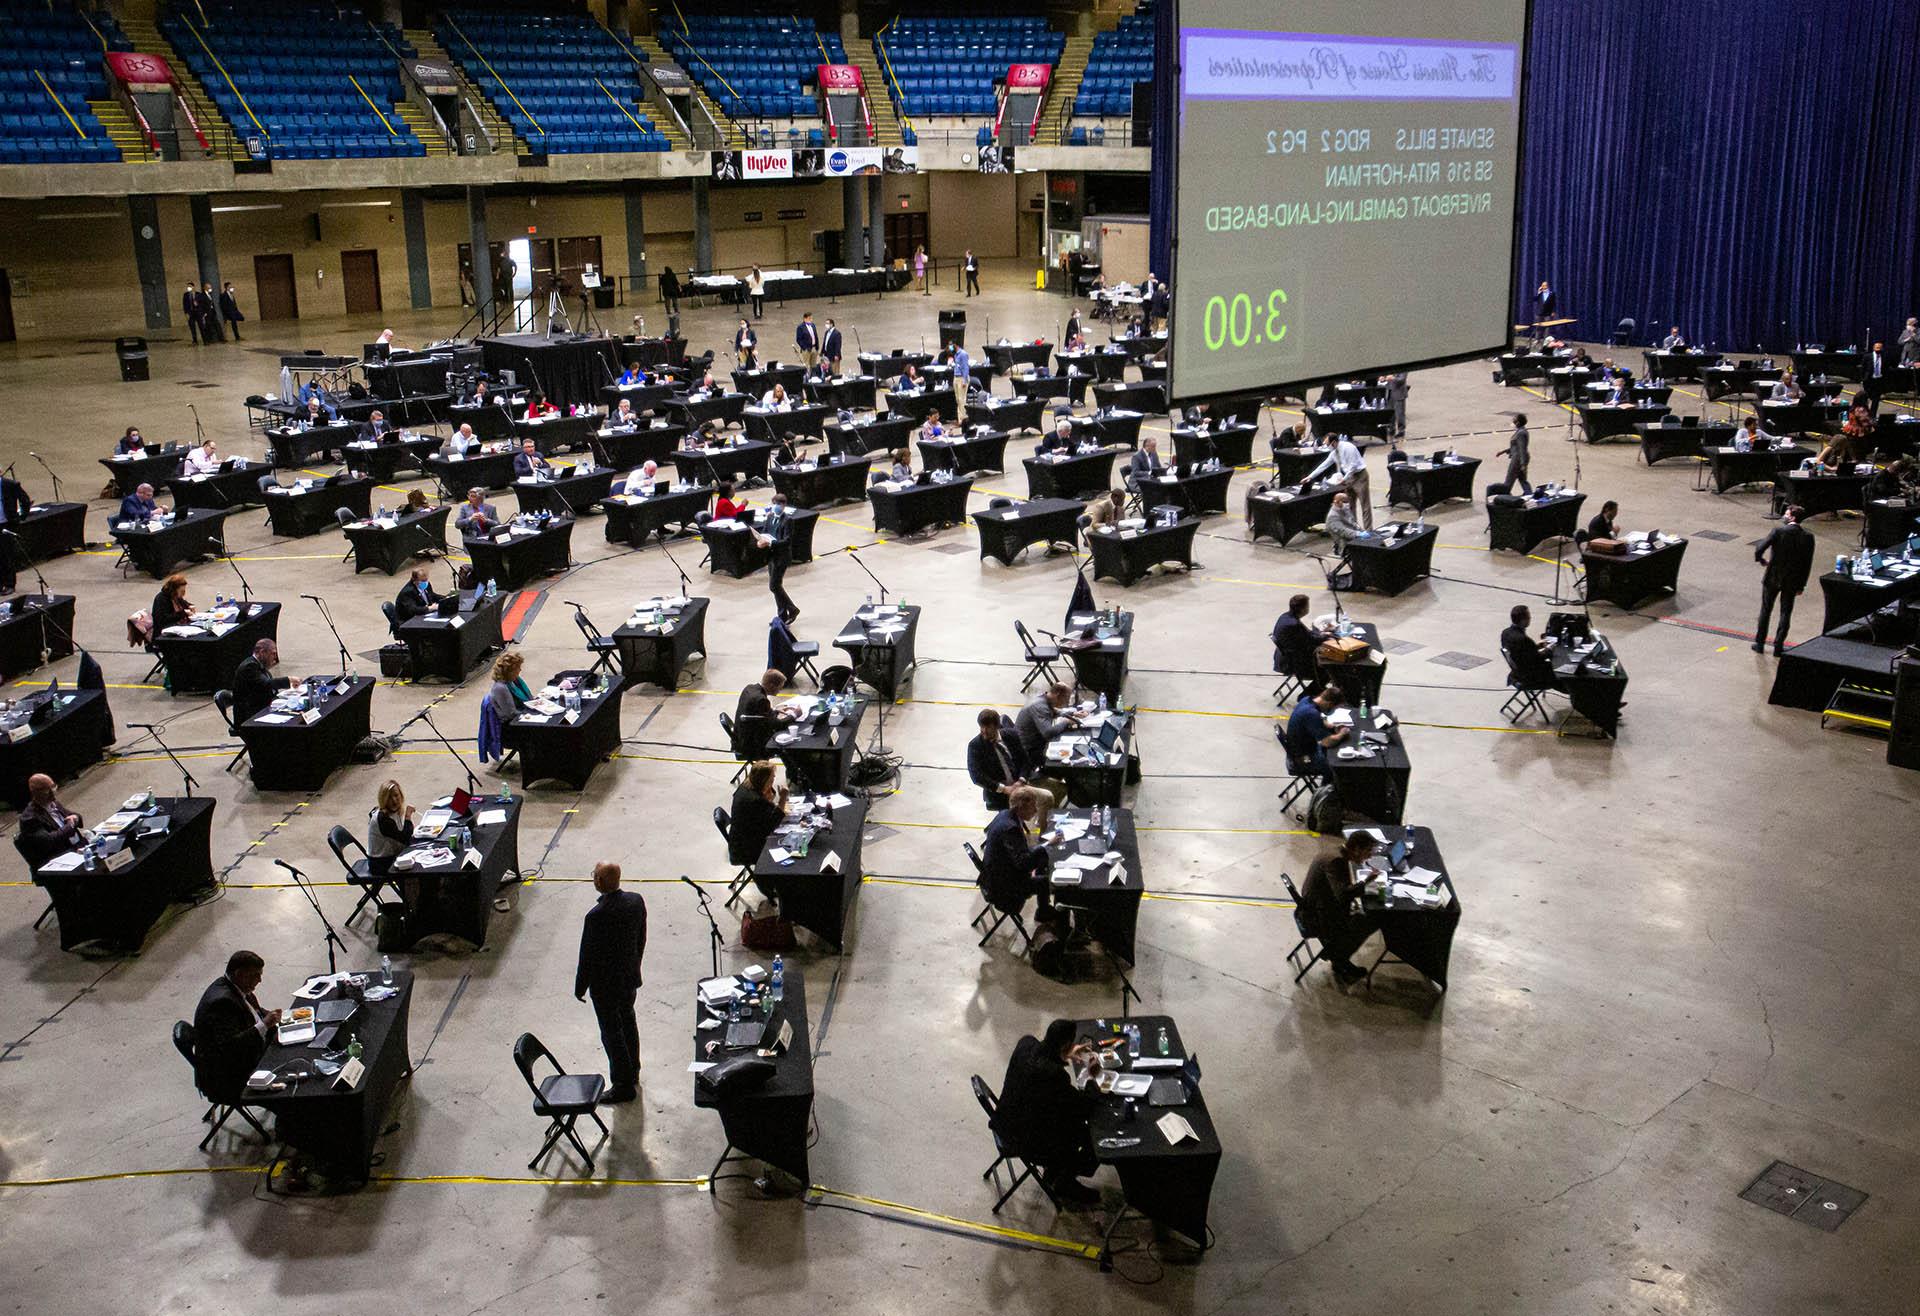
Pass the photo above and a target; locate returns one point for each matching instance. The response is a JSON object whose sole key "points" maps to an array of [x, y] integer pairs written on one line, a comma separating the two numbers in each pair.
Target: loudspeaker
{"points": [[1903, 743]]}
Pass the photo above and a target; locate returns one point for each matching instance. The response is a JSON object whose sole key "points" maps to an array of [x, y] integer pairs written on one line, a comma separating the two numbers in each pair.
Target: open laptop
{"points": [[1108, 736]]}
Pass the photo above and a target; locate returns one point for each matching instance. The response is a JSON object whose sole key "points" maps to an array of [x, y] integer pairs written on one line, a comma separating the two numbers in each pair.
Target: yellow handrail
{"points": [[618, 106], [188, 24], [900, 97], [496, 73], [702, 58], [98, 35], [370, 105], [819, 41], [624, 47], [58, 102]]}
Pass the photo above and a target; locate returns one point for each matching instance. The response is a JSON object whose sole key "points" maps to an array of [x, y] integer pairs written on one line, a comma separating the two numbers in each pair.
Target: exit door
{"points": [[273, 287], [360, 277]]}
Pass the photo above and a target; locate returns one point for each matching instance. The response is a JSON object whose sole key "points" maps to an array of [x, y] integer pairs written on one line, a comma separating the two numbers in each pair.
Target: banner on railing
{"points": [[1028, 76], [814, 162], [671, 80], [838, 77], [435, 77], [140, 71]]}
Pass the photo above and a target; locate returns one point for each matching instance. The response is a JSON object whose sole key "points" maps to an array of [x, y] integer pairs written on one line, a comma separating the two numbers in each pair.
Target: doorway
{"points": [[906, 232], [6, 308], [360, 277], [273, 287]]}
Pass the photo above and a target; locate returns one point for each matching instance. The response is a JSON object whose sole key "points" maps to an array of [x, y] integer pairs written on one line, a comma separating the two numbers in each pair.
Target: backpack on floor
{"points": [[1324, 814]]}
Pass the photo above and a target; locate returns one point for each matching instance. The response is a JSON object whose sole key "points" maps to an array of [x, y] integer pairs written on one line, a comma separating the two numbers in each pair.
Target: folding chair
{"points": [[562, 1097], [1305, 778], [804, 652], [218, 1112], [1292, 684], [742, 875], [836, 679], [345, 516], [604, 648], [1040, 657], [223, 700], [1524, 697], [359, 871], [1005, 1155], [1300, 926], [999, 916]]}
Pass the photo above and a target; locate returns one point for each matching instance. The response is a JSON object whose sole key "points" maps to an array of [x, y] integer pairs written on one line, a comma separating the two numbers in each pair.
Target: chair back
{"points": [[393, 617], [528, 1051], [223, 700], [983, 1094], [979, 865], [587, 628], [1026, 636], [733, 737], [267, 481], [344, 515], [724, 824], [835, 679], [1299, 919], [338, 839], [183, 1039]]}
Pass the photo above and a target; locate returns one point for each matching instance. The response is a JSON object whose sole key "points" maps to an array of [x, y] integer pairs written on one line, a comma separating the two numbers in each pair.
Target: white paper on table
{"points": [[490, 817], [1175, 1128], [1340, 717], [779, 854], [1085, 863], [533, 719], [838, 801], [830, 863], [63, 863], [274, 718], [456, 622], [1157, 1062], [699, 1066]]}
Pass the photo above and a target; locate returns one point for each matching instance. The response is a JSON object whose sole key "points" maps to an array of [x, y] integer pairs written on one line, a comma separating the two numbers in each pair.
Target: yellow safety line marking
{"points": [[1088, 1251]]}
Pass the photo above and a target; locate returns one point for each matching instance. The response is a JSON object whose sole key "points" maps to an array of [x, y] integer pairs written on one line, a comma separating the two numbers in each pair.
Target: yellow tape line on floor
{"points": [[1088, 1251]]}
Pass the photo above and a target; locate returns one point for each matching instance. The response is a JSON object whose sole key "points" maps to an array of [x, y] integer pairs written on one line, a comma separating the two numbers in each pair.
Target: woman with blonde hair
{"points": [[509, 693], [389, 828]]}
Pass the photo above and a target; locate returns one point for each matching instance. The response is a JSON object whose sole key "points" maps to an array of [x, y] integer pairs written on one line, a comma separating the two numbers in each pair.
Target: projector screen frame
{"points": [[1174, 393]]}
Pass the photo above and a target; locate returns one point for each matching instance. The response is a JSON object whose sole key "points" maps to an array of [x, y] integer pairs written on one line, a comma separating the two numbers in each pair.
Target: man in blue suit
{"points": [[139, 505], [807, 339]]}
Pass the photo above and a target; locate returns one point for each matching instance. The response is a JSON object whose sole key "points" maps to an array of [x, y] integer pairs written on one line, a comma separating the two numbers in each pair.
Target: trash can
{"points": [[133, 358], [953, 328], [603, 297]]}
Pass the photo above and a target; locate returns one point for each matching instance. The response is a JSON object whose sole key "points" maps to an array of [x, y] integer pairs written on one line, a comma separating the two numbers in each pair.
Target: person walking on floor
{"points": [[613, 940], [973, 272], [1517, 457], [1788, 555], [230, 311]]}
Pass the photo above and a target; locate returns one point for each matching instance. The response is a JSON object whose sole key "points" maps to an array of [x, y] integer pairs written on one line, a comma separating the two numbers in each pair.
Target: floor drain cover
{"points": [[1466, 662], [1401, 646], [1717, 536], [1806, 1197]]}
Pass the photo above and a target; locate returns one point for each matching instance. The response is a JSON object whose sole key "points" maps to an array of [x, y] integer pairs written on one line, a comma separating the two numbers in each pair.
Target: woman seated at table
{"points": [[758, 809], [539, 408], [724, 508], [902, 472], [170, 605], [416, 502], [130, 444], [1842, 450], [631, 375], [1603, 532], [775, 397], [389, 829], [509, 693]]}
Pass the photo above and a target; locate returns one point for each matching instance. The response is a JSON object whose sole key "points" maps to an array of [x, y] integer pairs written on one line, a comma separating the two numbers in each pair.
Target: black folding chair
{"points": [[734, 747], [836, 679], [1300, 925], [345, 516], [1525, 697], [392, 613], [223, 700], [1005, 1155], [359, 871], [742, 875], [990, 911], [562, 1097], [604, 648], [1292, 684], [1305, 777], [804, 652], [218, 1112], [1040, 657]]}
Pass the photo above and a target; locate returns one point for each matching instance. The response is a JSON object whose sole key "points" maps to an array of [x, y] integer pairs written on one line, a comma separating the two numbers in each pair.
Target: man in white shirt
{"points": [[462, 442], [203, 460], [1352, 469], [639, 481]]}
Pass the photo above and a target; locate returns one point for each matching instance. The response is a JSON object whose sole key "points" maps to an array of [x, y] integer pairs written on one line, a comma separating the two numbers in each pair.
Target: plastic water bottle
{"points": [[1365, 711], [1103, 701], [1133, 1038], [386, 970], [506, 792], [779, 978], [1166, 1048]]}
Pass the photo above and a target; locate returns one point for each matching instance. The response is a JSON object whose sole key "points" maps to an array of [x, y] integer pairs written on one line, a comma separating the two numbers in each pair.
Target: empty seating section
{"points": [[949, 65], [562, 82], [1120, 58], [49, 122], [291, 69], [754, 66]]}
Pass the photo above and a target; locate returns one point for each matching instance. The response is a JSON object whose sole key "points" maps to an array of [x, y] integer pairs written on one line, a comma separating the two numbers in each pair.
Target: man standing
{"points": [[210, 316], [962, 381], [830, 348], [776, 536], [807, 339], [1351, 468], [1544, 302], [14, 504], [1397, 399], [1516, 454], [190, 308], [613, 940], [230, 1030], [973, 272], [254, 684], [230, 310], [1788, 554]]}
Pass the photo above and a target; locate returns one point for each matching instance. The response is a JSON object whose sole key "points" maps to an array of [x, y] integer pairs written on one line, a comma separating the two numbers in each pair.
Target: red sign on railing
{"points": [[838, 77], [1028, 76], [139, 70]]}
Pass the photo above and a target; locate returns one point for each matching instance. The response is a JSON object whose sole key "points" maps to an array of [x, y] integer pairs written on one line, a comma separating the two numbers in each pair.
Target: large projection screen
{"points": [[1344, 188]]}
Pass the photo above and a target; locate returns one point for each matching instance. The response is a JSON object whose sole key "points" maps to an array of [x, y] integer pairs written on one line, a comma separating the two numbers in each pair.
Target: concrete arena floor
{"points": [[1683, 955]]}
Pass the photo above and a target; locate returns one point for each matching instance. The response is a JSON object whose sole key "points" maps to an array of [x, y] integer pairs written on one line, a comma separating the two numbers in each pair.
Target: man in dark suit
{"points": [[1011, 870], [1043, 1118], [1873, 375], [1788, 554], [14, 504], [1295, 643], [230, 311], [1146, 463], [230, 1030], [1326, 906], [138, 505], [972, 264], [754, 718], [190, 308], [476, 516], [417, 597], [1045, 716], [830, 343], [529, 463], [1397, 400], [776, 536], [47, 827], [254, 684], [613, 939], [376, 430], [806, 340], [996, 761], [1544, 302], [1526, 656]]}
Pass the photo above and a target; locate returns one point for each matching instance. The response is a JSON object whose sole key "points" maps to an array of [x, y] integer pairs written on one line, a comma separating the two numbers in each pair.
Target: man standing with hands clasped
{"points": [[1788, 554], [613, 940]]}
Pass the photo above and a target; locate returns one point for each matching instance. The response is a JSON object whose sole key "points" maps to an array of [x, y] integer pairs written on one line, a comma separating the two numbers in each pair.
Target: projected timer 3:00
{"points": [[1244, 320]]}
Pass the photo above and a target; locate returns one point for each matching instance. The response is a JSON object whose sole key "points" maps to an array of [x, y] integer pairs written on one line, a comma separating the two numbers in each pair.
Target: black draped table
{"points": [[154, 466], [568, 369], [1006, 532], [660, 638], [1007, 414], [624, 449], [733, 549], [156, 548], [815, 890], [1532, 520], [1415, 931], [449, 647], [567, 741], [1200, 493], [1104, 891], [390, 542], [1127, 555], [235, 487], [1661, 441], [1168, 1182], [1099, 645], [295, 743], [982, 450], [204, 660], [445, 895], [1686, 363], [747, 459], [839, 479], [908, 509], [633, 518], [1070, 475], [857, 437], [114, 902], [1601, 420], [296, 445], [819, 748], [879, 644], [1631, 577], [1732, 467], [1590, 674], [64, 731], [32, 625], [51, 530], [298, 512], [1091, 774], [1231, 445], [1823, 491], [1355, 422], [770, 1122], [570, 491], [1853, 594], [1891, 521], [384, 461], [1374, 786], [1392, 556], [519, 554], [1281, 512], [1422, 482], [485, 470]]}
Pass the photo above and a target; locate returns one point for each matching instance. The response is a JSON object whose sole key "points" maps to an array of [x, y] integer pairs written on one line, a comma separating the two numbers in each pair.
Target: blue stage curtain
{"points": [[1746, 169]]}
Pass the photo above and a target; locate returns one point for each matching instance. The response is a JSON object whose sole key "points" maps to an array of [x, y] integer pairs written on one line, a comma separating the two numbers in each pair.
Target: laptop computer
{"points": [[449, 605], [760, 1035], [1397, 855], [461, 804], [1108, 736]]}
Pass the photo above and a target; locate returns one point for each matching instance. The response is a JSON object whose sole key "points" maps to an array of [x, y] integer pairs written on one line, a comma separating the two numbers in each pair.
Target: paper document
{"points": [[64, 863], [1176, 1128], [489, 817]]}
